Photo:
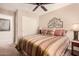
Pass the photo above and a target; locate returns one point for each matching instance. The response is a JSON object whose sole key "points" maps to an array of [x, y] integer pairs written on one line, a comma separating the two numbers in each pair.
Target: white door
{"points": [[29, 25]]}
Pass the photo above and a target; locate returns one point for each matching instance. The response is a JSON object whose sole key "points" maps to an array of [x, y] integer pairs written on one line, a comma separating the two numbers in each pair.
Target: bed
{"points": [[44, 45]]}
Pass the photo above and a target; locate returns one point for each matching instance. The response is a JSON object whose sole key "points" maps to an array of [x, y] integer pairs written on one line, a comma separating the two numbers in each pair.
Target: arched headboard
{"points": [[55, 23]]}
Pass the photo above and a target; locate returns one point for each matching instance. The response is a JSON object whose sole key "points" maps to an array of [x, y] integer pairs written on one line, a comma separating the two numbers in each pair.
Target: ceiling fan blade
{"points": [[35, 7], [43, 8], [45, 3], [33, 3], [40, 3]]}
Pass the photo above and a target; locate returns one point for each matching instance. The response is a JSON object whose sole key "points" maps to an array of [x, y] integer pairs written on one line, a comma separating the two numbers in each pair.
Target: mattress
{"points": [[43, 45]]}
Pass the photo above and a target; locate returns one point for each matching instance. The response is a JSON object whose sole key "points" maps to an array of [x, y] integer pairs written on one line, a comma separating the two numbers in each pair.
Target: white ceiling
{"points": [[30, 7]]}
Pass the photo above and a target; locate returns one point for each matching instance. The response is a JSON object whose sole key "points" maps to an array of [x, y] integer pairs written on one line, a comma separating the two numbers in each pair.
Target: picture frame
{"points": [[4, 24]]}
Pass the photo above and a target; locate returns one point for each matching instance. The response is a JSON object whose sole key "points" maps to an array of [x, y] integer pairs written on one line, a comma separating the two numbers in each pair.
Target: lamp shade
{"points": [[75, 27]]}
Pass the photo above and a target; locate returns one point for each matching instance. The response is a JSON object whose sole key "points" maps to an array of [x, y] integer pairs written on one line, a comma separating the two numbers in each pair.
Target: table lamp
{"points": [[75, 28]]}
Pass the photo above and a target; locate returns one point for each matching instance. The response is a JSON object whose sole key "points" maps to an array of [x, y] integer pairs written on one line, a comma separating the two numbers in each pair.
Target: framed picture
{"points": [[4, 24]]}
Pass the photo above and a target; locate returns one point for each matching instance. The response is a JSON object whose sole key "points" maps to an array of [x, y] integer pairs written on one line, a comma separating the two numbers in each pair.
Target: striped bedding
{"points": [[43, 45]]}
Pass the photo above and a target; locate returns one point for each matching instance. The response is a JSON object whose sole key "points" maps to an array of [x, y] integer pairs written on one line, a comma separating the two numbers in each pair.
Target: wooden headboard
{"points": [[55, 23]]}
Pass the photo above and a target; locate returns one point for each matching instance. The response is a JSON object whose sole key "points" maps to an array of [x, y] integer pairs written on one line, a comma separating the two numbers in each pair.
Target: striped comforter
{"points": [[43, 45]]}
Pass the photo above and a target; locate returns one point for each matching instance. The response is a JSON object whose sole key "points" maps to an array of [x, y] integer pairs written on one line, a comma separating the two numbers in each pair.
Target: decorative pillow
{"points": [[53, 31], [50, 32], [44, 31], [59, 32]]}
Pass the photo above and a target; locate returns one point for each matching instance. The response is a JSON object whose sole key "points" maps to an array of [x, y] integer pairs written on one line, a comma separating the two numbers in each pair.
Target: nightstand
{"points": [[75, 43]]}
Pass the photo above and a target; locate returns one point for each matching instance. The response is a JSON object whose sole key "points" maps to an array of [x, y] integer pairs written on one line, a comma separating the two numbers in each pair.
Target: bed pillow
{"points": [[59, 32]]}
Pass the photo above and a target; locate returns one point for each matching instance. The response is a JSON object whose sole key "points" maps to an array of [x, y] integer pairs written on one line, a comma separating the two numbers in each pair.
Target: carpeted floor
{"points": [[8, 50], [68, 53]]}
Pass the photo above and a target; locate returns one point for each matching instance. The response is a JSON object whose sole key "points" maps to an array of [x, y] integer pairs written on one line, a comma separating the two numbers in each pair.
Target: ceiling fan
{"points": [[40, 5]]}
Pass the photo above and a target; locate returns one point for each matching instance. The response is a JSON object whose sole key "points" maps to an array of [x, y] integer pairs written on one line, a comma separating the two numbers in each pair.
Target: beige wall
{"points": [[69, 15], [6, 12], [7, 37]]}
